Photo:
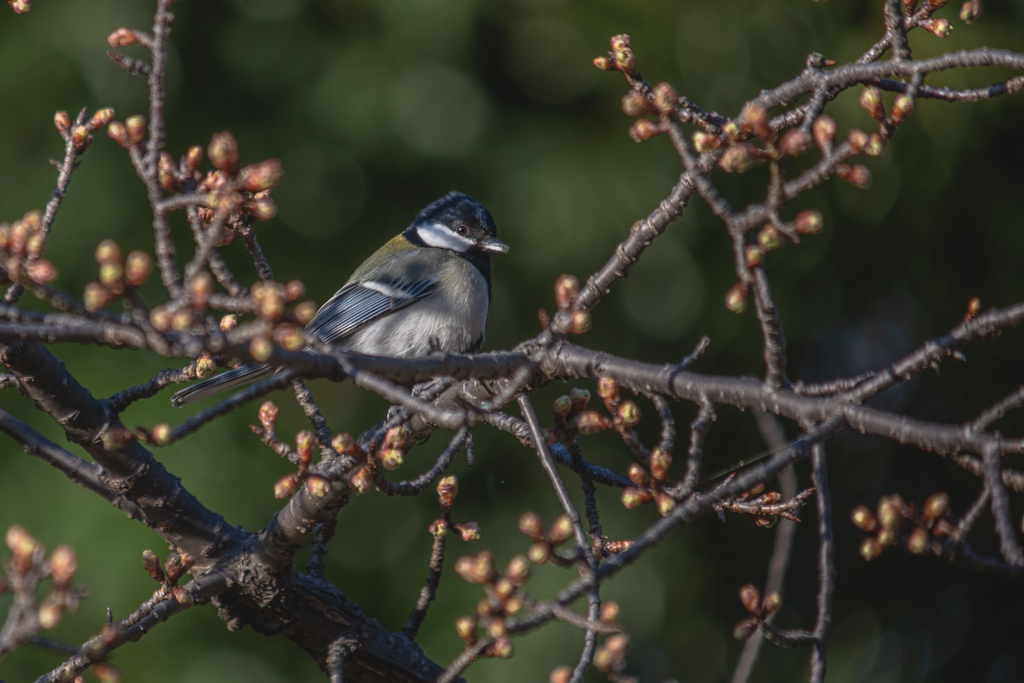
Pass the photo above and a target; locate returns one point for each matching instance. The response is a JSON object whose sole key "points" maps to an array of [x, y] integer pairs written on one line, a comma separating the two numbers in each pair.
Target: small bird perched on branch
{"points": [[428, 289]]}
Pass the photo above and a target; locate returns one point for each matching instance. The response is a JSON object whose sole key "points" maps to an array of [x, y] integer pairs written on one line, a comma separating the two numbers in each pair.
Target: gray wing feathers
{"points": [[353, 307], [356, 305], [222, 382]]}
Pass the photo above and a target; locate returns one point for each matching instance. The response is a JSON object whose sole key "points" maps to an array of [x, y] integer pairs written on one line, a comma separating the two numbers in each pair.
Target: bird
{"points": [[426, 290]]}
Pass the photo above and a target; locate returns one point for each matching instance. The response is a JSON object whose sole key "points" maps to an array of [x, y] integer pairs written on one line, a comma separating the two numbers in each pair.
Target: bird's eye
{"points": [[462, 230]]}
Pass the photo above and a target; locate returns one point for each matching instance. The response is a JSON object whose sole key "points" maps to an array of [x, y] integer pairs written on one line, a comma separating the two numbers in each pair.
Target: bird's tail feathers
{"points": [[222, 382]]}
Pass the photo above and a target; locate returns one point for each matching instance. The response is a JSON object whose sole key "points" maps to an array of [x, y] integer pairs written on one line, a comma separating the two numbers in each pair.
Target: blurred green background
{"points": [[377, 108]]}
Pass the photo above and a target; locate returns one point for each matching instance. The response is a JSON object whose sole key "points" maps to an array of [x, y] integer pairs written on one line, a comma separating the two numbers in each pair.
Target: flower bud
{"points": [[167, 172], [561, 530], [858, 140], [795, 142], [391, 459], [138, 268], [80, 136], [824, 129], [973, 307], [562, 407], [344, 444], [438, 528], [604, 63], [902, 108], [887, 536], [101, 118], [635, 104], [871, 100], [318, 487], [580, 322], [562, 674], [609, 612], [736, 298], [108, 251], [466, 628], [857, 175], [580, 398], [23, 546], [50, 613], [615, 547], [501, 648], [769, 237], [567, 287], [739, 158], [971, 10], [936, 505], [122, 37], [223, 151], [733, 130], [447, 489], [305, 312], [772, 603], [268, 416], [591, 422], [808, 222], [539, 553], [666, 504], [469, 531], [262, 176], [890, 511], [753, 255], [112, 277], [182, 320], [863, 519], [173, 566], [136, 128], [875, 146], [206, 366], [41, 271], [531, 525], [940, 27], [119, 134], [633, 497], [755, 117], [750, 597], [287, 485], [194, 157], [623, 55], [260, 348], [305, 444], [644, 129], [637, 474], [518, 570], [362, 480], [96, 296], [161, 318], [629, 413], [917, 543], [660, 461], [161, 434], [607, 388], [744, 629], [665, 98]]}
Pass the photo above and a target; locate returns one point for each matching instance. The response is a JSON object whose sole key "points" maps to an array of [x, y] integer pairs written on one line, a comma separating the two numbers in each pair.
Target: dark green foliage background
{"points": [[377, 108]]}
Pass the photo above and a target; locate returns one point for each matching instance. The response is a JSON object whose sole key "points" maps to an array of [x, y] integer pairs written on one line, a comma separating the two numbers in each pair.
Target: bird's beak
{"points": [[494, 244]]}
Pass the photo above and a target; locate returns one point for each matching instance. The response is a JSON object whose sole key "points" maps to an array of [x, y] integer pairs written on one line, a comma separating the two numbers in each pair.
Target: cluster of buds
{"points": [[169, 574], [447, 489], [504, 598], [766, 508], [361, 479], [893, 516], [769, 238], [117, 276], [650, 485], [130, 133], [21, 244], [625, 414], [306, 445], [270, 300], [759, 610], [81, 135], [567, 288], [566, 410], [29, 565], [610, 658], [620, 57], [246, 189], [544, 543]]}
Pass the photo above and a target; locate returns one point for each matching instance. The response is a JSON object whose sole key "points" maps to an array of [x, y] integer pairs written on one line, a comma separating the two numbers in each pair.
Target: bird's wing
{"points": [[357, 304]]}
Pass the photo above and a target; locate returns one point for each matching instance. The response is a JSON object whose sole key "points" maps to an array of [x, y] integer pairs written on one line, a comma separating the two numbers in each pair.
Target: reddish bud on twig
{"points": [[294, 290], [305, 444], [580, 322], [41, 271], [470, 531], [591, 422], [580, 398], [362, 480], [567, 287], [562, 407], [168, 172], [753, 255], [769, 237], [917, 542], [138, 268], [871, 100], [391, 459], [645, 129], [633, 497], [530, 524], [940, 27], [604, 64], [50, 613], [161, 434], [629, 413], [305, 312], [344, 444], [875, 146], [808, 222], [318, 487], [466, 628], [660, 461], [62, 122], [447, 489], [755, 117], [971, 10], [268, 416], [857, 175], [744, 629], [518, 570], [609, 612], [637, 474], [666, 504], [260, 348], [116, 438], [665, 98], [108, 251], [705, 142], [750, 597], [824, 129], [287, 485], [561, 530], [864, 519], [936, 506], [858, 140], [890, 511], [438, 528], [539, 553], [902, 108], [622, 54], [262, 176], [206, 366], [635, 104], [607, 389], [136, 128], [736, 298], [119, 134], [161, 318], [772, 603], [739, 158], [100, 118], [795, 142], [228, 322], [22, 546], [223, 151], [476, 569], [562, 674], [182, 320], [122, 37]]}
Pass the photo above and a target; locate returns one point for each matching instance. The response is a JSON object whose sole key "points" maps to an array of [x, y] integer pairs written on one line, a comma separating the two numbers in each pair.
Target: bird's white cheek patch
{"points": [[438, 235]]}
